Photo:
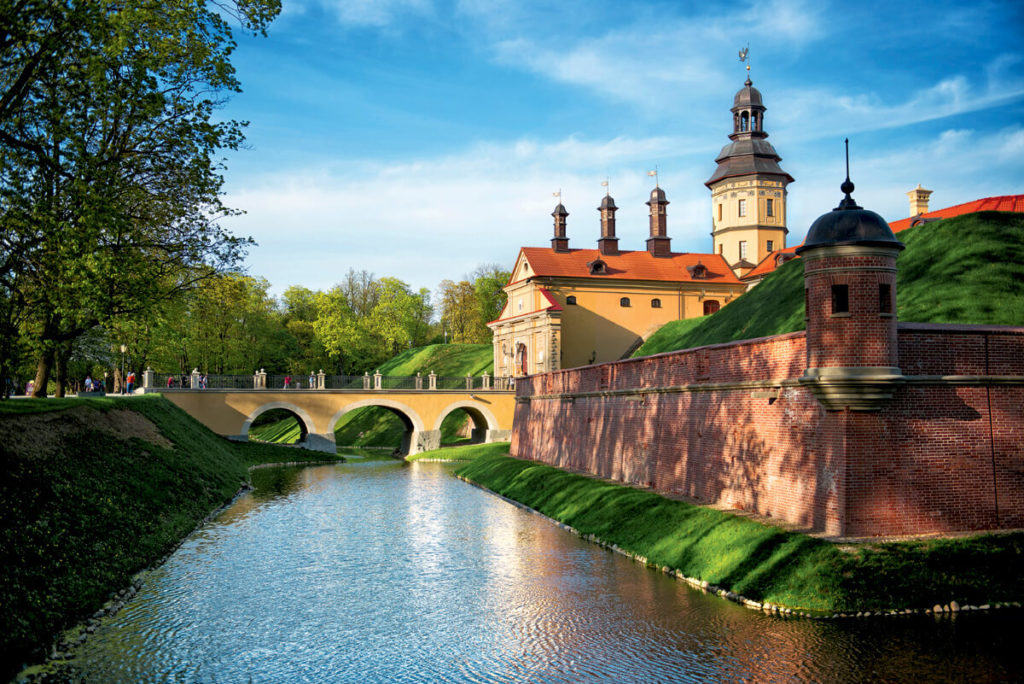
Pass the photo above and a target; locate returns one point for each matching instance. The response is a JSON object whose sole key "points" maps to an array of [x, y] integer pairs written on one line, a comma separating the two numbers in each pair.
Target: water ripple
{"points": [[382, 572]]}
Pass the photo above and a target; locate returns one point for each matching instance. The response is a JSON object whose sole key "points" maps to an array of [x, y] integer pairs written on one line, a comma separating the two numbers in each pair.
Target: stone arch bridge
{"points": [[230, 412]]}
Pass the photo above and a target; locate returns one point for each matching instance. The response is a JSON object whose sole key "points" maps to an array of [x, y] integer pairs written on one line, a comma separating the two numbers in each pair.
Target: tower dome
{"points": [[748, 96], [849, 224]]}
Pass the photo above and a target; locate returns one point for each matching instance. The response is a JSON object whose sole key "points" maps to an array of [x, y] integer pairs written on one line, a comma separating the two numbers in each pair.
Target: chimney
{"points": [[918, 200], [608, 244], [659, 244], [560, 243]]}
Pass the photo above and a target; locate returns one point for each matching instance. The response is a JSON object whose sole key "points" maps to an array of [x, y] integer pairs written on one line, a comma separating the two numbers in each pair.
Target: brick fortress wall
{"points": [[731, 425]]}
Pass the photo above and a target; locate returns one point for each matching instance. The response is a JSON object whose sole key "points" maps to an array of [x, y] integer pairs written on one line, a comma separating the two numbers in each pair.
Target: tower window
{"points": [[655, 303], [719, 212], [721, 247], [840, 299], [770, 209], [571, 299], [744, 121], [742, 207], [884, 298], [743, 249], [624, 302], [770, 245]]}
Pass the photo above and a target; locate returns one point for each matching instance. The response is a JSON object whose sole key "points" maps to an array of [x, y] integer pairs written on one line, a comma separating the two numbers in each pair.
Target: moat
{"points": [[384, 571]]}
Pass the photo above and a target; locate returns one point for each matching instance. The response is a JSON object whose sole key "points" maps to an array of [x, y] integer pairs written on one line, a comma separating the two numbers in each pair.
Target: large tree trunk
{"points": [[61, 354], [43, 366]]}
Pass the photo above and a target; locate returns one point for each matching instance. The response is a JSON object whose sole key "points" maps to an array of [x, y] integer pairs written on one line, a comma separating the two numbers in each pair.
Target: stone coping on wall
{"points": [[959, 328]]}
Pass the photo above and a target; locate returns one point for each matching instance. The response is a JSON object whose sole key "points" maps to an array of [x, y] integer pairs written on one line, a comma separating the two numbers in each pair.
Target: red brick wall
{"points": [[931, 461]]}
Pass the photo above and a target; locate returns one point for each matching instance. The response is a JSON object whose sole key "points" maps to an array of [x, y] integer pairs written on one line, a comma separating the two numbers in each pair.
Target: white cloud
{"points": [[437, 218]]}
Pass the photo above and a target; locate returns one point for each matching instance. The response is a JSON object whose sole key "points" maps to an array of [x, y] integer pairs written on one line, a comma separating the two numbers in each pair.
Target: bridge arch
{"points": [[306, 422], [483, 419], [415, 430]]}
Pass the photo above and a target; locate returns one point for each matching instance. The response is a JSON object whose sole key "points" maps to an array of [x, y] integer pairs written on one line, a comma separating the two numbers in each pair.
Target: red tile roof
{"points": [[638, 265], [1002, 203], [1013, 203]]}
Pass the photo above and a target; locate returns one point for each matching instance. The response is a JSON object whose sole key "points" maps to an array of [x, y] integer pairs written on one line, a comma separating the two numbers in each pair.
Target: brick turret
{"points": [[608, 244], [849, 261], [659, 243], [560, 243]]}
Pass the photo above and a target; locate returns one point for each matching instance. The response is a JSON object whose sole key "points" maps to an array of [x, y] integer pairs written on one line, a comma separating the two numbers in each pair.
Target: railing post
{"points": [[433, 380], [469, 382], [263, 379], [366, 380], [321, 380], [419, 380], [486, 381], [195, 378], [376, 380], [147, 377]]}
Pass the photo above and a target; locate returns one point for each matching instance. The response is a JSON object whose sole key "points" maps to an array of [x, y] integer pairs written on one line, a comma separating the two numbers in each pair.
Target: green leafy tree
{"points": [[109, 182]]}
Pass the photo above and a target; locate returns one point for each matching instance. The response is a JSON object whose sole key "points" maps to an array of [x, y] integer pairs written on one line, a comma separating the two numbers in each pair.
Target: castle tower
{"points": [[608, 244], [560, 243], [849, 261], [659, 243], [748, 189]]}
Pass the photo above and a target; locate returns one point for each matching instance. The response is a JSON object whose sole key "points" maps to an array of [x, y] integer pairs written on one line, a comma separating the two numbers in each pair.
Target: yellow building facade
{"points": [[572, 307]]}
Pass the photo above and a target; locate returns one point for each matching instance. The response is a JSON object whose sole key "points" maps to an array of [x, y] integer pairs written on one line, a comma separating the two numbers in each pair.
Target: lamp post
{"points": [[124, 348]]}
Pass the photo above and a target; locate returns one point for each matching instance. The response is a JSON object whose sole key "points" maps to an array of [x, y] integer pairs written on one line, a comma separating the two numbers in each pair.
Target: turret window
{"points": [[742, 207], [840, 299], [624, 302], [770, 208], [743, 249], [744, 122], [770, 246], [719, 212], [884, 298]]}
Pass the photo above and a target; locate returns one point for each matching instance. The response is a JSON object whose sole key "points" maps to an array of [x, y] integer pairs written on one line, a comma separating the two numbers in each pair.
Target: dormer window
{"points": [[597, 267], [698, 271]]}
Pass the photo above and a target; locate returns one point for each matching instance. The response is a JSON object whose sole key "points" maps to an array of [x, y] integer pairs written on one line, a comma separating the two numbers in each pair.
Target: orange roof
{"points": [[1001, 203], [1013, 203], [638, 265], [769, 263]]}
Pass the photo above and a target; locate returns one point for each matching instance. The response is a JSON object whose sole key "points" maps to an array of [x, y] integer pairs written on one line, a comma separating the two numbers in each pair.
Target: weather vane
{"points": [[604, 184], [558, 195], [654, 173], [744, 57]]}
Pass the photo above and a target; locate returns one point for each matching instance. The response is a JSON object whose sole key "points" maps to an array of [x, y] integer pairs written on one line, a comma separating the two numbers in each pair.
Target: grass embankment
{"points": [[952, 271], [379, 427], [469, 452], [759, 561], [95, 490]]}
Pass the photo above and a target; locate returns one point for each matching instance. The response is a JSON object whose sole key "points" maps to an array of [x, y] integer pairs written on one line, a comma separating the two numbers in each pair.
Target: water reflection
{"points": [[384, 571]]}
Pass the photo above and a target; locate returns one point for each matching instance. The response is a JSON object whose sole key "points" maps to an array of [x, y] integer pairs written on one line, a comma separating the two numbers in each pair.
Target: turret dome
{"points": [[849, 224], [748, 96]]}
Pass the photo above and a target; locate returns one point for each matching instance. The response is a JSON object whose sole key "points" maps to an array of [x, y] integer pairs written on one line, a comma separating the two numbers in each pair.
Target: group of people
{"points": [[185, 382], [288, 384]]}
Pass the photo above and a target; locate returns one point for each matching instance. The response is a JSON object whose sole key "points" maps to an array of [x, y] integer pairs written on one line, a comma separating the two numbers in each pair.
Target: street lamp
{"points": [[124, 348]]}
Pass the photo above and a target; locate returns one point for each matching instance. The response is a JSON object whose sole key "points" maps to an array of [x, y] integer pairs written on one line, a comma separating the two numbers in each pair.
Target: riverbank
{"points": [[95, 490], [456, 453], [759, 564]]}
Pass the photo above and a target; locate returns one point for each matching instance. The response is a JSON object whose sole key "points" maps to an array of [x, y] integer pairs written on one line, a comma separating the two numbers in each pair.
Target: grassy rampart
{"points": [[952, 271], [758, 561], [93, 491]]}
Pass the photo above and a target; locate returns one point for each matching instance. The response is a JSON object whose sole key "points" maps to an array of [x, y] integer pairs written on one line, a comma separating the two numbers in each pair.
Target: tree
{"points": [[109, 183]]}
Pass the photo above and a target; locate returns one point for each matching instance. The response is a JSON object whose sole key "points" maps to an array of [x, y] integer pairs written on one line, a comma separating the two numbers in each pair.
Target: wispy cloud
{"points": [[436, 218]]}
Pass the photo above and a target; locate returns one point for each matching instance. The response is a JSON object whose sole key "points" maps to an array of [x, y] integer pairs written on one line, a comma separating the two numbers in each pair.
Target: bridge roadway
{"points": [[230, 412]]}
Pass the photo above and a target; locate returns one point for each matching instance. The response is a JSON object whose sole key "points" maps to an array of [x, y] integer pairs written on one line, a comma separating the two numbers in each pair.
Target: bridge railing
{"points": [[319, 381]]}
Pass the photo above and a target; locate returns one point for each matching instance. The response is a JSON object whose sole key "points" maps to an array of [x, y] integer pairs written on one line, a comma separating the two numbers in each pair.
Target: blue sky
{"points": [[420, 138]]}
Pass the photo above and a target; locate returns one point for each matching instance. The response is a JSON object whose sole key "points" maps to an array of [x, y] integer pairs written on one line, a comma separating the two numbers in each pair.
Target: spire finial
{"points": [[604, 184], [744, 57], [654, 172], [847, 186]]}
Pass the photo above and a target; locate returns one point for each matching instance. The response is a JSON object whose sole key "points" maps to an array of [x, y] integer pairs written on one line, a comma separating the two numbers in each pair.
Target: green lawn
{"points": [[469, 452], [759, 561], [952, 271], [95, 490]]}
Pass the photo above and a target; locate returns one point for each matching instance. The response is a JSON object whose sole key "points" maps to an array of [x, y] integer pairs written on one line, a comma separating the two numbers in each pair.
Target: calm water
{"points": [[391, 572]]}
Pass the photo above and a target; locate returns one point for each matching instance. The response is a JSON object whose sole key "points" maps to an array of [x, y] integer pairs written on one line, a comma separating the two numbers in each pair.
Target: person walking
{"points": [[287, 381], [312, 380], [88, 382], [130, 381]]}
